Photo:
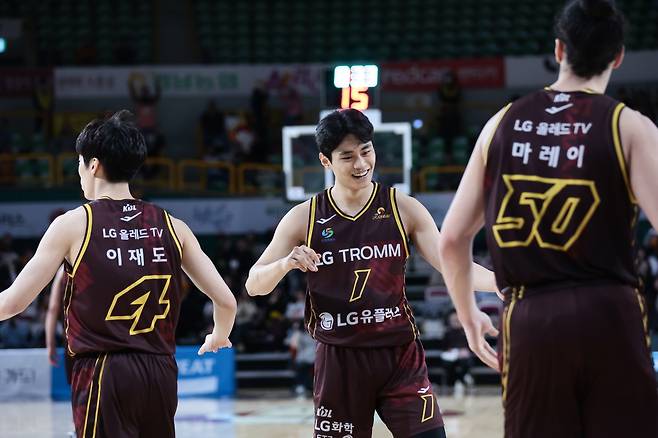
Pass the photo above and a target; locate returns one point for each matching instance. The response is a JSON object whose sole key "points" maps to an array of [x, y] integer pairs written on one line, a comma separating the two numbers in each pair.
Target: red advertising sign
{"points": [[18, 82], [427, 75]]}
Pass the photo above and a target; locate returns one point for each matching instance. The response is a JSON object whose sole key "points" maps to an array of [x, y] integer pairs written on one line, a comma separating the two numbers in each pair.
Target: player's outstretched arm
{"points": [[201, 270], [41, 268], [464, 219], [52, 314], [426, 236], [640, 137], [284, 253]]}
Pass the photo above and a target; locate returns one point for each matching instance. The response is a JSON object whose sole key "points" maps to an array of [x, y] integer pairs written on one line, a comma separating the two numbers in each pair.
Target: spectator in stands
{"points": [[450, 117], [9, 261], [295, 309], [243, 137], [247, 317], [144, 101], [294, 112], [64, 141], [213, 132], [302, 350], [260, 122], [456, 356], [15, 333]]}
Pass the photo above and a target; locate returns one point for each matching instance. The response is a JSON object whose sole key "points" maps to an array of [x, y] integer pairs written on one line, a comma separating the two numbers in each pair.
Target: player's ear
{"points": [[324, 160], [94, 165], [559, 50], [619, 58]]}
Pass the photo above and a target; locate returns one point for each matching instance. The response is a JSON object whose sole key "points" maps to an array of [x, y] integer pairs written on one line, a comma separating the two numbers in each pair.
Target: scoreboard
{"points": [[352, 86]]}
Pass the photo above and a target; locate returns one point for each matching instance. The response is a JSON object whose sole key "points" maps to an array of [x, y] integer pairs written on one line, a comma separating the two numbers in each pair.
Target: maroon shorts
{"points": [[124, 395], [352, 383], [575, 364]]}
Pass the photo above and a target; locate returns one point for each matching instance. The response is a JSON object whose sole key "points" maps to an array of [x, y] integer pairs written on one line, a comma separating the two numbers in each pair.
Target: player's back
{"points": [[559, 208], [124, 290]]}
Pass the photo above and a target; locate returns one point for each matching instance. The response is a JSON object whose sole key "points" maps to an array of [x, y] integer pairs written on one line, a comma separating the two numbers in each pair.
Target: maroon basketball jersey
{"points": [[357, 298], [559, 207], [124, 292]]}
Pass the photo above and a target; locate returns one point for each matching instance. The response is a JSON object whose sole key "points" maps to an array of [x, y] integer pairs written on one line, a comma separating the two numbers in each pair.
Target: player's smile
{"points": [[361, 174]]}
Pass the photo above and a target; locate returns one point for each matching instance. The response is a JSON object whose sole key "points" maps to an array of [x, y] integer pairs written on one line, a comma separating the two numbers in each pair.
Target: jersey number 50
{"points": [[149, 292], [551, 211]]}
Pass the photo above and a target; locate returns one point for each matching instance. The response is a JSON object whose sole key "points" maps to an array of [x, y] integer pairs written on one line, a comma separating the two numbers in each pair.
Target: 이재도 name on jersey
{"points": [[366, 252], [136, 255], [136, 234]]}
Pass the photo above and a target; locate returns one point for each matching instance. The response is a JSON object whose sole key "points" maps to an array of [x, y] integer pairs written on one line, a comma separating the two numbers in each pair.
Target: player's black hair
{"points": [[116, 142], [593, 33], [334, 127]]}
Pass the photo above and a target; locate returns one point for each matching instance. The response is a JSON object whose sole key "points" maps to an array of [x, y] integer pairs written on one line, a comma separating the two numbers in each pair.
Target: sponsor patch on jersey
{"points": [[381, 214], [328, 234]]}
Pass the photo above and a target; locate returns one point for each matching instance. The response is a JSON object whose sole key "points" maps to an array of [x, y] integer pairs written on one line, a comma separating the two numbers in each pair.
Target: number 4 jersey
{"points": [[124, 289], [559, 207], [357, 296]]}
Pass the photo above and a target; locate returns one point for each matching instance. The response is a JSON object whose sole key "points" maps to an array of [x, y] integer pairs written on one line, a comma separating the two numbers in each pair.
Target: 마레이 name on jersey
{"points": [[367, 252]]}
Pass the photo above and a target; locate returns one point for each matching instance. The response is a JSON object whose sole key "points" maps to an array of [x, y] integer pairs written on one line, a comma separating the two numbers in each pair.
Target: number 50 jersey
{"points": [[559, 206], [357, 297], [124, 289]]}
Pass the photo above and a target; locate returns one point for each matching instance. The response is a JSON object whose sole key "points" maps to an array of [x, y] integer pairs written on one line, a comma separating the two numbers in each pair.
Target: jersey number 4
{"points": [[549, 211], [144, 302]]}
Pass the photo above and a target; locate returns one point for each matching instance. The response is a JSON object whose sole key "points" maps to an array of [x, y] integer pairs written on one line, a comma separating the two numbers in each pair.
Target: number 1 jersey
{"points": [[124, 289], [559, 206], [357, 297]]}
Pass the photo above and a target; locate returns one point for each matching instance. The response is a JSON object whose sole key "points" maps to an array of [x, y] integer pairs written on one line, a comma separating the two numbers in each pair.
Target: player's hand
{"points": [[477, 325], [302, 258], [214, 342], [52, 357]]}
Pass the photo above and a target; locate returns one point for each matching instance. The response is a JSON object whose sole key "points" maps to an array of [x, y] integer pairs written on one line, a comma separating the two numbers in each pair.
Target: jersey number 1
{"points": [[360, 280]]}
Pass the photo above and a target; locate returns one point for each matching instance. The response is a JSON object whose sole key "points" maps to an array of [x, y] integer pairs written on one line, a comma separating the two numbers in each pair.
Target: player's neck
{"points": [[568, 81], [104, 189], [350, 200]]}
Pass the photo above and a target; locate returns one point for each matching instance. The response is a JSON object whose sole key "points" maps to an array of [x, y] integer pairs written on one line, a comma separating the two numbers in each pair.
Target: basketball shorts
{"points": [[352, 383], [124, 395], [575, 363]]}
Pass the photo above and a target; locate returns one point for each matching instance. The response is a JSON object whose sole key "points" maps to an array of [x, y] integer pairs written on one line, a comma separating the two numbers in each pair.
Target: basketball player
{"points": [[53, 313], [557, 177], [353, 241], [124, 259]]}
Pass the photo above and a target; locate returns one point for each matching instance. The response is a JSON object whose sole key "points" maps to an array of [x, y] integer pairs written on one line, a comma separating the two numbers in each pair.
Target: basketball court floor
{"points": [[254, 415]]}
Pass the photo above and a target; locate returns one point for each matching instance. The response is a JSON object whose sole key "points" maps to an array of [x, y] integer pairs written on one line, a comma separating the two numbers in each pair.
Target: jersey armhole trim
{"points": [[85, 242], [68, 290], [311, 221], [485, 148], [616, 138], [173, 234], [398, 221]]}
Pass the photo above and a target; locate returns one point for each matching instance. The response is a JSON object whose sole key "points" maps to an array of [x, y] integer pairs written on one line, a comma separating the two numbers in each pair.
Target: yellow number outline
{"points": [[428, 401], [561, 222], [141, 302], [354, 297]]}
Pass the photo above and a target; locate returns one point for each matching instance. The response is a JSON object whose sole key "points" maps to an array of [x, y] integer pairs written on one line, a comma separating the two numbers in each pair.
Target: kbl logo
{"points": [[328, 233]]}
